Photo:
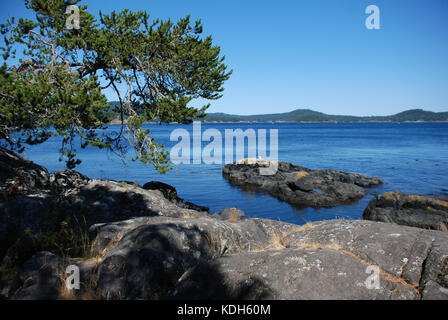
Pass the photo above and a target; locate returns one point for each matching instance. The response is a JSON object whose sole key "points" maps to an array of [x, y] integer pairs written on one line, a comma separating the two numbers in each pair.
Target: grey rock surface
{"points": [[162, 257], [204, 258], [30, 196], [331, 260], [409, 209], [230, 214], [39, 278], [301, 186]]}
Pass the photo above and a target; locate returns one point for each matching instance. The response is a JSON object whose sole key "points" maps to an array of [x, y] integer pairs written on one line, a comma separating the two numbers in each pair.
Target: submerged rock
{"points": [[409, 209], [301, 186]]}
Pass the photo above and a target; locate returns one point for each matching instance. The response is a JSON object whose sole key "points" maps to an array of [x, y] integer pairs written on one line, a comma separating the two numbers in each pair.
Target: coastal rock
{"points": [[66, 180], [18, 175], [143, 258], [229, 214], [108, 201], [409, 209], [204, 258], [289, 274], [301, 186], [330, 260], [170, 193], [28, 195], [144, 246], [37, 202], [39, 278], [22, 213]]}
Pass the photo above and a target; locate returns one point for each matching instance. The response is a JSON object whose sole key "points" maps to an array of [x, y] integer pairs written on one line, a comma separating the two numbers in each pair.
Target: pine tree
{"points": [[156, 68]]}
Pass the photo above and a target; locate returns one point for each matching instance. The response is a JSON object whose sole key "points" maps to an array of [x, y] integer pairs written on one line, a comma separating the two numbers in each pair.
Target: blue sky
{"points": [[316, 54]]}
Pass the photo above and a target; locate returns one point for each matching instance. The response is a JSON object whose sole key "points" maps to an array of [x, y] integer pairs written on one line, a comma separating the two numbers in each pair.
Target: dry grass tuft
{"points": [[277, 242], [248, 161], [233, 216], [187, 214], [300, 174], [305, 227], [88, 293]]}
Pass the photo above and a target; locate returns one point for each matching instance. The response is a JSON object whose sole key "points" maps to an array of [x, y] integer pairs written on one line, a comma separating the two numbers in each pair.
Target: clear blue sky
{"points": [[316, 54]]}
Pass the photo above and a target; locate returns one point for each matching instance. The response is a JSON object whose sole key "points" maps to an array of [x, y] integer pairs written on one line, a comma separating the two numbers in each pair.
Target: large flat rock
{"points": [[205, 258], [331, 260]]}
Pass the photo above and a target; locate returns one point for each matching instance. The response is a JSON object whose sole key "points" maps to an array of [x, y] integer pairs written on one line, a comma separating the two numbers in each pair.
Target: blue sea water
{"points": [[412, 157]]}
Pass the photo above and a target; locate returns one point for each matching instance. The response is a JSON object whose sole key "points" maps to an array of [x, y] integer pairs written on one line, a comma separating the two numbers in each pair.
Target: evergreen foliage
{"points": [[156, 68]]}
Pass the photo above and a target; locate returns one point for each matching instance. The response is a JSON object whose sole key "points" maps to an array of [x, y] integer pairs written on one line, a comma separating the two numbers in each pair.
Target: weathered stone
{"points": [[39, 278], [18, 175], [330, 260], [204, 258], [156, 251], [409, 209], [229, 214], [66, 180], [288, 274], [301, 186], [34, 202], [170, 193], [226, 237], [108, 201], [163, 257], [23, 212]]}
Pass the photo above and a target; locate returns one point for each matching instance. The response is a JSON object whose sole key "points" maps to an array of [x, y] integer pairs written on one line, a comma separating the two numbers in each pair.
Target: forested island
{"points": [[305, 115]]}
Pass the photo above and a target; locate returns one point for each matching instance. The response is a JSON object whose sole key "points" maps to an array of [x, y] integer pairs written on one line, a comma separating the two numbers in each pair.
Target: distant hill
{"points": [[307, 115], [287, 116]]}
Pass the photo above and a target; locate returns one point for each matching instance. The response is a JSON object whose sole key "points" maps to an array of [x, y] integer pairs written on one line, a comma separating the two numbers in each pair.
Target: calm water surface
{"points": [[412, 157]]}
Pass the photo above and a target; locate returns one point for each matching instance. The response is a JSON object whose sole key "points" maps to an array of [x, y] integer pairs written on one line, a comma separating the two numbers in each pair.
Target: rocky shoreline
{"points": [[147, 243]]}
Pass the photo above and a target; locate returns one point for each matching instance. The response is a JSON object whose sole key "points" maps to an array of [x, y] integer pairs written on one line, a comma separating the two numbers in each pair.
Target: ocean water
{"points": [[412, 157]]}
